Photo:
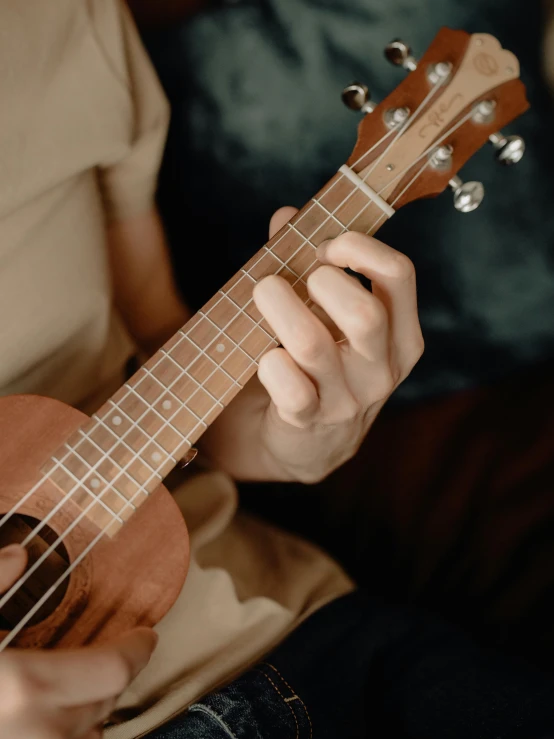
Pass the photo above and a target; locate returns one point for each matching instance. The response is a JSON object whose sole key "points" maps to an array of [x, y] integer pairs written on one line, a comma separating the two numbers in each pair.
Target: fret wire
{"points": [[91, 440], [95, 497], [241, 309], [177, 399], [186, 369], [98, 474], [331, 215], [162, 418], [122, 470], [233, 342], [275, 256], [217, 366], [306, 239], [132, 451], [193, 379], [134, 424], [165, 387], [106, 454], [337, 180], [151, 438]]}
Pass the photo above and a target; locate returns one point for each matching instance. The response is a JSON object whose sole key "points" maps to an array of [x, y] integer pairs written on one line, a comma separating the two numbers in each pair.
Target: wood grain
{"points": [[129, 580]]}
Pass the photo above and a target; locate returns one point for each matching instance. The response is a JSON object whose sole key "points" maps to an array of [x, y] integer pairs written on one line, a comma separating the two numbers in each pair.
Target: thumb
{"points": [[12, 564], [76, 677]]}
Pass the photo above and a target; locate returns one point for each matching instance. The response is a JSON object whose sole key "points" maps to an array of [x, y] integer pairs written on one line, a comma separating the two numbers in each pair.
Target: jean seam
{"points": [[210, 712], [291, 709], [295, 695]]}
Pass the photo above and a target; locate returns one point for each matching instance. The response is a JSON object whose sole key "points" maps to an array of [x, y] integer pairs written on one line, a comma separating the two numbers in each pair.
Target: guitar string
{"points": [[123, 470], [95, 501], [201, 420], [4, 599], [59, 462], [5, 518], [409, 122], [307, 241], [21, 624]]}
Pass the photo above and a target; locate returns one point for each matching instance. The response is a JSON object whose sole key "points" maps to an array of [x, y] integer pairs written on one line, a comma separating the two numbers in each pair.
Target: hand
{"points": [[66, 694], [321, 397]]}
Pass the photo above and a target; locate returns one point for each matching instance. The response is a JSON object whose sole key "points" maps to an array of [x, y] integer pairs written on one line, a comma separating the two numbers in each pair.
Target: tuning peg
{"points": [[400, 54], [467, 196], [357, 97], [509, 149]]}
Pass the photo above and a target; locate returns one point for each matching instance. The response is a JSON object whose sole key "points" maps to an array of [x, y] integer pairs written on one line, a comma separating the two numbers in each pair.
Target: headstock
{"points": [[455, 99]]}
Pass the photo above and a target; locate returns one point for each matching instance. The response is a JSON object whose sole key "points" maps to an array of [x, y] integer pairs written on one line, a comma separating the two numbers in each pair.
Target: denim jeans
{"points": [[358, 669]]}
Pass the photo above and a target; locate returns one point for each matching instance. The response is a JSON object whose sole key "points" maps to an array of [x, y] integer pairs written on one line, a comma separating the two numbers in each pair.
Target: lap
{"points": [[358, 668], [449, 505]]}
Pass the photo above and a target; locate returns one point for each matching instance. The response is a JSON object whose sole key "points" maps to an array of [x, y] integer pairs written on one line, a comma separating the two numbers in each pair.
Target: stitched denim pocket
{"points": [[259, 705]]}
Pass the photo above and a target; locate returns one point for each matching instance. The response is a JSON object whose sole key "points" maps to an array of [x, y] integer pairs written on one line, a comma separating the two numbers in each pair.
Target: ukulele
{"points": [[108, 548]]}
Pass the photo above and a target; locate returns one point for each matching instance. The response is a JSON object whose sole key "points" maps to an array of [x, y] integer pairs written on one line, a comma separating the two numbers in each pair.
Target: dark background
{"points": [[258, 123]]}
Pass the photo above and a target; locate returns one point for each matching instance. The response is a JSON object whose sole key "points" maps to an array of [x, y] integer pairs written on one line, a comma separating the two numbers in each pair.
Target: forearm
{"points": [[144, 288]]}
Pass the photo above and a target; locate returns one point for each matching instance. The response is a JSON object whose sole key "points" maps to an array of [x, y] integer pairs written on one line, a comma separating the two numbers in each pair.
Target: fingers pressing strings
{"points": [[309, 344]]}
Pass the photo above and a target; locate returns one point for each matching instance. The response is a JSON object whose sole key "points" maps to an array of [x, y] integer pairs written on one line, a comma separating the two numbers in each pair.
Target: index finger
{"points": [[81, 676]]}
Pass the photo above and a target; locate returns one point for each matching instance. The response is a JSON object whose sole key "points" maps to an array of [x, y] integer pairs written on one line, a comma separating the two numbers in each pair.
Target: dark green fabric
{"points": [[258, 123]]}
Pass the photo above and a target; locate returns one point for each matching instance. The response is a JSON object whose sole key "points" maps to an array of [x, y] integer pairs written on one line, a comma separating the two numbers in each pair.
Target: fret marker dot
{"points": [[156, 457], [117, 420], [95, 483], [220, 348], [166, 405]]}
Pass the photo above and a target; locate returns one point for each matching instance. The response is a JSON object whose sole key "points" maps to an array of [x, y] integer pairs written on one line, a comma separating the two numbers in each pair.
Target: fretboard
{"points": [[120, 456]]}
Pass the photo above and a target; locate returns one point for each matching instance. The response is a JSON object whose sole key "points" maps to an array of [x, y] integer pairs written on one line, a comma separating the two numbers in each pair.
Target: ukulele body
{"points": [[129, 580]]}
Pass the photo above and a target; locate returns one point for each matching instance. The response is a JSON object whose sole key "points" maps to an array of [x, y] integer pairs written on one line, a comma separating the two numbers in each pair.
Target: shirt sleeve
{"points": [[128, 184]]}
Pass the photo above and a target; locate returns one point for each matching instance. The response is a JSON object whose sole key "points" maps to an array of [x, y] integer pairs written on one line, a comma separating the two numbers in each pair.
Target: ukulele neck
{"points": [[123, 452]]}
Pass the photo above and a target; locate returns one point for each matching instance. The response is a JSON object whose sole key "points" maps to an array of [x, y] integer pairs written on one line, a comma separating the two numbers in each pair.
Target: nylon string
{"points": [[21, 624]]}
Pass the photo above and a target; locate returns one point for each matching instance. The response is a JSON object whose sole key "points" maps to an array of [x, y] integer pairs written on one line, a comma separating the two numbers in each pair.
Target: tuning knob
{"points": [[400, 54], [357, 97], [509, 149], [467, 196]]}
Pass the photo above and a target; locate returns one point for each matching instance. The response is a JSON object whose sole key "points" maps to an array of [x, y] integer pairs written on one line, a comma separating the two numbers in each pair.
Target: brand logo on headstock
{"points": [[486, 64], [436, 118]]}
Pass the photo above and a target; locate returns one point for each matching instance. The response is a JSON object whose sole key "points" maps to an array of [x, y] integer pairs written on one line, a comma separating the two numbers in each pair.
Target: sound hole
{"points": [[16, 530]]}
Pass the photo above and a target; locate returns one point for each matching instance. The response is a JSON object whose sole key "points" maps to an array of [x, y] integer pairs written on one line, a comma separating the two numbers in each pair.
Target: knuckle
{"points": [[299, 400], [366, 318], [347, 412], [384, 381], [400, 267], [309, 346]]}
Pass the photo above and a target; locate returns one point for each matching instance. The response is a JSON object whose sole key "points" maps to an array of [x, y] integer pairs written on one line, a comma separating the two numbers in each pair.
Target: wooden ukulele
{"points": [[108, 548]]}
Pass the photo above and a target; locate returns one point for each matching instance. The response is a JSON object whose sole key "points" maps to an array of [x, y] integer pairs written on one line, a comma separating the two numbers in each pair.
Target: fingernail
{"points": [[322, 249], [11, 551]]}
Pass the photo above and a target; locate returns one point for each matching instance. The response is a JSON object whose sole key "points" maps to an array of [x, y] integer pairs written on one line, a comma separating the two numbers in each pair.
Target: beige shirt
{"points": [[83, 123]]}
